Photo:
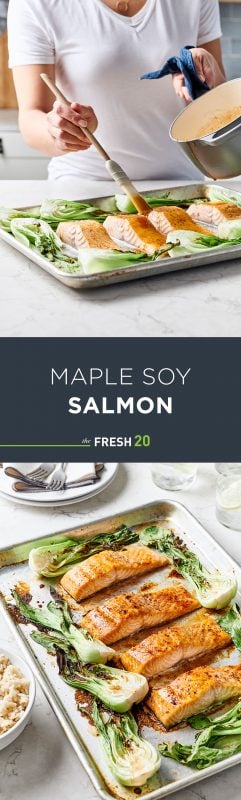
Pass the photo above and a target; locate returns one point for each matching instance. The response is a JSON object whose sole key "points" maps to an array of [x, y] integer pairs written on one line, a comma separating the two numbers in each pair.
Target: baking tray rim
{"points": [[85, 759], [125, 274]]}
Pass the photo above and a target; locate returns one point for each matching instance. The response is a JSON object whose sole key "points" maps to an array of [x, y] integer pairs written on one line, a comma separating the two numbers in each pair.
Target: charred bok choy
{"points": [[132, 760], [54, 559], [37, 234], [213, 590], [116, 689], [57, 620], [219, 738]]}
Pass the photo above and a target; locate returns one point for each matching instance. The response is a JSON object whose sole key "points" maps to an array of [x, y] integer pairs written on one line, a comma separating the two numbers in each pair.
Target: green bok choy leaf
{"points": [[55, 211], [219, 194], [190, 243], [95, 260], [116, 688], [213, 590], [57, 619], [230, 230], [125, 205], [132, 759], [39, 235], [219, 738], [53, 642], [54, 559], [231, 623], [8, 214]]}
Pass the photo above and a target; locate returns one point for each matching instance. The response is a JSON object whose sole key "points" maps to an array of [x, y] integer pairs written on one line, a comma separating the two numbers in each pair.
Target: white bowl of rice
{"points": [[17, 695]]}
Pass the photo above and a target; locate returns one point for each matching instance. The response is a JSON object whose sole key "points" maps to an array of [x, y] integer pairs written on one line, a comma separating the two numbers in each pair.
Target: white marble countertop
{"points": [[41, 763], [199, 302]]}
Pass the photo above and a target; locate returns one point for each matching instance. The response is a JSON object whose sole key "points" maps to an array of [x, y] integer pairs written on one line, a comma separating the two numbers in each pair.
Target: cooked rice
{"points": [[14, 694]]}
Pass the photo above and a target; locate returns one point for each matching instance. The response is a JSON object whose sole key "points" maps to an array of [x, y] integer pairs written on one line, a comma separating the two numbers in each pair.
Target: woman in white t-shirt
{"points": [[96, 50]]}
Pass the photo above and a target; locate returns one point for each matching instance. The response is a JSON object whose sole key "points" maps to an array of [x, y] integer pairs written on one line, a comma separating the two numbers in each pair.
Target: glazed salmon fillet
{"points": [[85, 233], [167, 648], [195, 691], [127, 613], [172, 218], [136, 230], [214, 213], [108, 567]]}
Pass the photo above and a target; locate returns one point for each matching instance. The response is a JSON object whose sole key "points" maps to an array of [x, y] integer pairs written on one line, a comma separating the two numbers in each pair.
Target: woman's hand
{"points": [[65, 125], [207, 69]]}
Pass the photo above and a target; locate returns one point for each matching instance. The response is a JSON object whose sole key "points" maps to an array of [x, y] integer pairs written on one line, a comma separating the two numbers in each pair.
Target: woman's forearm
{"points": [[54, 128], [33, 124]]}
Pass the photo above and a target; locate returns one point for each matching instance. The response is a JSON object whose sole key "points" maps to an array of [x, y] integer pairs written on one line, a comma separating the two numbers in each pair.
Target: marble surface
{"points": [[199, 302], [41, 763]]}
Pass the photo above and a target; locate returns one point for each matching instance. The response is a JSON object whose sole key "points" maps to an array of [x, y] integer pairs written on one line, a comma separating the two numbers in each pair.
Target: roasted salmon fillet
{"points": [[167, 648], [127, 613], [85, 233], [108, 567], [214, 213], [195, 691], [172, 218], [136, 230]]}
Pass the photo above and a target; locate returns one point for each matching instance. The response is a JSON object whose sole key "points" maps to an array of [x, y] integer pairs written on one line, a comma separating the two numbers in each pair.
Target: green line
{"points": [[45, 445]]}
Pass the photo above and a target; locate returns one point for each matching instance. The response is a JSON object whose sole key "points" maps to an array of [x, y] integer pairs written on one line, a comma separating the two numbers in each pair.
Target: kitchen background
{"points": [[19, 161]]}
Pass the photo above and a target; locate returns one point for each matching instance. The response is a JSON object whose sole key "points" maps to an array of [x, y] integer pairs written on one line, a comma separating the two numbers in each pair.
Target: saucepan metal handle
{"points": [[217, 138]]}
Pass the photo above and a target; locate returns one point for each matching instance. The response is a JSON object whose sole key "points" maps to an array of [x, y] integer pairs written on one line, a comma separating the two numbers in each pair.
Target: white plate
{"points": [[64, 497]]}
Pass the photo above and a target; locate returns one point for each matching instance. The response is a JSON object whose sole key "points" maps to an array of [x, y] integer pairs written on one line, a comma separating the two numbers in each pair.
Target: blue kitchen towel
{"points": [[183, 63]]}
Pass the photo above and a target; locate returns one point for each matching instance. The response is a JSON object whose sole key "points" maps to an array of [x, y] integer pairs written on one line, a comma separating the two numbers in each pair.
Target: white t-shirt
{"points": [[99, 57]]}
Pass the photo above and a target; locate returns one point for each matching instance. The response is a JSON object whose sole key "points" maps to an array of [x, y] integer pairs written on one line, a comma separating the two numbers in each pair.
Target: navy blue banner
{"points": [[120, 399]]}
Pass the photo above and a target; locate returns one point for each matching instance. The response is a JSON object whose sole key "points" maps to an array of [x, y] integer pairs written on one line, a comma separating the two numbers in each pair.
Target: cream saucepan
{"points": [[209, 131]]}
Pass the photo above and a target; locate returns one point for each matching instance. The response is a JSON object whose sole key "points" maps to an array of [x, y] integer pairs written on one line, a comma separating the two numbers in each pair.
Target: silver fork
{"points": [[41, 472], [58, 479]]}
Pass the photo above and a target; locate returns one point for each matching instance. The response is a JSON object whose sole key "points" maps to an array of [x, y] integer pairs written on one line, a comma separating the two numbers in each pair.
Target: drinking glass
{"points": [[228, 500], [173, 476]]}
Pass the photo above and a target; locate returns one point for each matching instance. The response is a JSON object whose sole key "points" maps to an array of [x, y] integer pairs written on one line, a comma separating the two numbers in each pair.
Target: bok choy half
{"points": [[57, 620], [124, 204], [219, 194], [212, 589], [115, 688], [218, 738], [54, 559], [55, 211], [8, 214], [95, 260], [190, 243], [37, 234], [132, 759]]}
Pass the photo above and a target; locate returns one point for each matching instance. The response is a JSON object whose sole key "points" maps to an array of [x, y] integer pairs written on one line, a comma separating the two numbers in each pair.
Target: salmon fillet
{"points": [[127, 613], [172, 218], [195, 691], [85, 233], [170, 646], [214, 213], [108, 567], [136, 230]]}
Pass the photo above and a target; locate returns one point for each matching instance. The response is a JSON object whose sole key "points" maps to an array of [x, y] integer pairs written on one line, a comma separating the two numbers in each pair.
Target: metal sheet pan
{"points": [[14, 568], [145, 270]]}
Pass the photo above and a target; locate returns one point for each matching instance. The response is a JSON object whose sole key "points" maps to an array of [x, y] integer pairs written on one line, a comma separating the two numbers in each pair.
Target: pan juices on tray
{"points": [[123, 637]]}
